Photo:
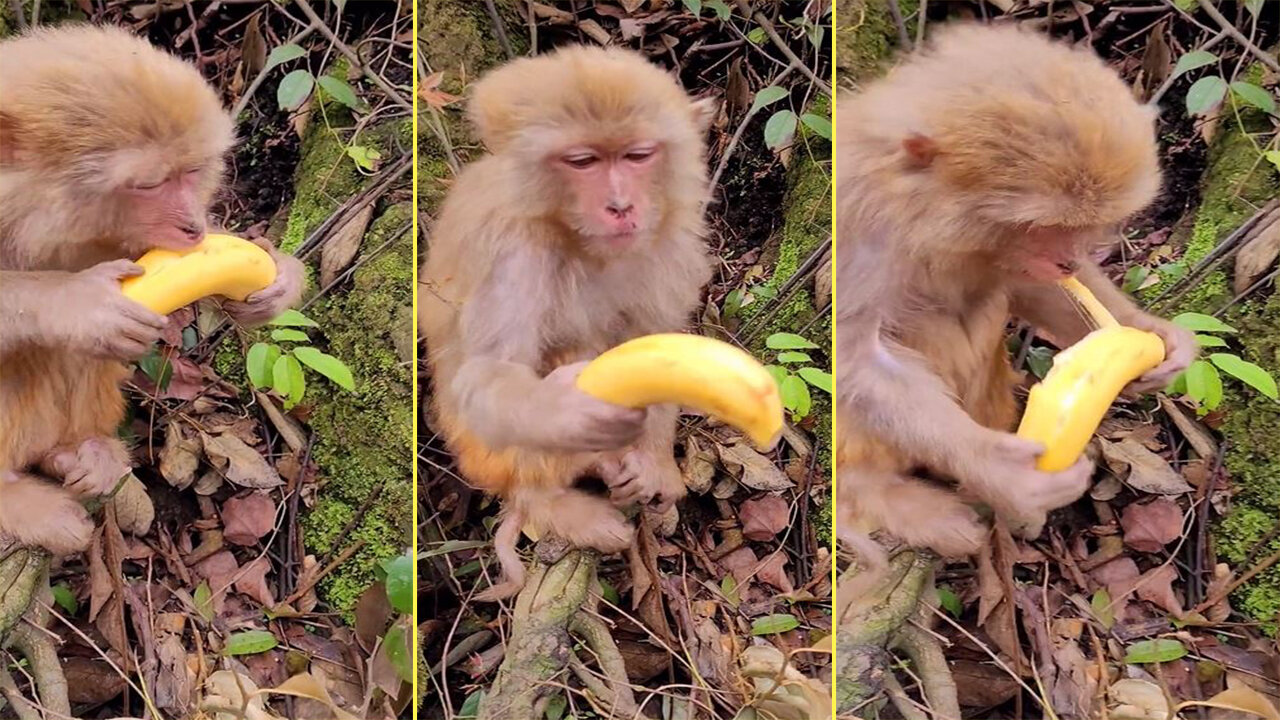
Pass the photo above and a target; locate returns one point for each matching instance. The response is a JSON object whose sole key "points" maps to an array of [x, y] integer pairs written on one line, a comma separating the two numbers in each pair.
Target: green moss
{"points": [[866, 37]]}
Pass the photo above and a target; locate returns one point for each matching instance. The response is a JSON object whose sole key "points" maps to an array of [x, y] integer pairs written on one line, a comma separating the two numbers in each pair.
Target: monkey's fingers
{"points": [[118, 269], [140, 314]]}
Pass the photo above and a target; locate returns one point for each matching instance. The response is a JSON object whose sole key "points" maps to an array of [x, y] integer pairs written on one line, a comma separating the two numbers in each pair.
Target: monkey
{"points": [[973, 177], [109, 147], [580, 229]]}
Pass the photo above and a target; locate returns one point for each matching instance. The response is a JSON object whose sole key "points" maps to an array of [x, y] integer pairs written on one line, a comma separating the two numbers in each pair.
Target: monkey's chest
{"points": [[49, 399]]}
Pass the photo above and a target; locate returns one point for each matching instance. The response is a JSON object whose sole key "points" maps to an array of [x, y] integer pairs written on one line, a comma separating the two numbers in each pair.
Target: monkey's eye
{"points": [[146, 185], [639, 155], [581, 162]]}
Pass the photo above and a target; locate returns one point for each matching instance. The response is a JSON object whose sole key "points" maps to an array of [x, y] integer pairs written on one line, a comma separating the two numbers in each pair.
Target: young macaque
{"points": [[580, 230], [109, 147], [970, 180]]}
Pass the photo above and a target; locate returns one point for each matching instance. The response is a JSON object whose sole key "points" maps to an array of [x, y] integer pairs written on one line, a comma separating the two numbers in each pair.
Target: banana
{"points": [[698, 372], [219, 265], [1065, 409]]}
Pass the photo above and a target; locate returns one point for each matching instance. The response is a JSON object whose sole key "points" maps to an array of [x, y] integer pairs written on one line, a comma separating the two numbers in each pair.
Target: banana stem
{"points": [[1091, 305]]}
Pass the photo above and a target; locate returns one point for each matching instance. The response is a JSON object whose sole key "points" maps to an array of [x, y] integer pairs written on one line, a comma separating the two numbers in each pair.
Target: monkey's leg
{"points": [[92, 468], [584, 520], [918, 513], [36, 513]]}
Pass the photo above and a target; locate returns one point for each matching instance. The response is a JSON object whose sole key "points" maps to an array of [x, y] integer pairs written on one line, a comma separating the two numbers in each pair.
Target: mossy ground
{"points": [[865, 37]]}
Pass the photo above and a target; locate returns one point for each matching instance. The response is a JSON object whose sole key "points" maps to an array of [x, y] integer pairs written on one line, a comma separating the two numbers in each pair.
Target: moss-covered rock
{"points": [[866, 37]]}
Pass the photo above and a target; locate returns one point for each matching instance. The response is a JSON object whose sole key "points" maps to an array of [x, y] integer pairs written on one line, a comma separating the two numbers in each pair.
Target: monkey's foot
{"points": [[37, 514], [93, 468], [584, 520], [642, 477]]}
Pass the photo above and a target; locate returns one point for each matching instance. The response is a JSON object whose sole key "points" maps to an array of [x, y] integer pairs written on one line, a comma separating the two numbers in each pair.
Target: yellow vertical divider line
{"points": [[835, 360], [413, 443]]}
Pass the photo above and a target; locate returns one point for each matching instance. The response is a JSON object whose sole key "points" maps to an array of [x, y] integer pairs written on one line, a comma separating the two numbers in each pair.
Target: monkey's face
{"points": [[162, 201], [1046, 254], [609, 193]]}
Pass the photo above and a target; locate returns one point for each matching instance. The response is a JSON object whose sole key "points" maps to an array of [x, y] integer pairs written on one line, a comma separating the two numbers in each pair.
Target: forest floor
{"points": [[252, 549], [1158, 594], [716, 596]]}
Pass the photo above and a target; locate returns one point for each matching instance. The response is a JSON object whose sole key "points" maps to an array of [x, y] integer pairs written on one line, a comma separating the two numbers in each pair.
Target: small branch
{"points": [[778, 42], [391, 92], [19, 14], [1168, 83], [261, 77], [742, 127], [501, 31], [903, 36], [1238, 36]]}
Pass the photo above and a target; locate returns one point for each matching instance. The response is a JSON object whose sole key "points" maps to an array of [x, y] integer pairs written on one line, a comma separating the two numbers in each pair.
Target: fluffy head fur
{"points": [[85, 110], [1018, 129]]}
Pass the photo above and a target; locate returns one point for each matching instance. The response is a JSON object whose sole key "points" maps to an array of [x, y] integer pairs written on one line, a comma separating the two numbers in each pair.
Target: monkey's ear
{"points": [[704, 112], [920, 149]]}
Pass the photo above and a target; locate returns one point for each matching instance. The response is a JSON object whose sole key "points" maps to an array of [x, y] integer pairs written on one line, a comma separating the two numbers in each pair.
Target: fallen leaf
{"points": [[430, 92], [179, 457], [240, 463], [290, 430], [772, 571], [1156, 587], [740, 563], [1137, 700], [1200, 438], [343, 244], [1148, 472], [252, 582], [1258, 253], [247, 518], [1148, 527], [220, 570], [134, 510], [91, 681], [698, 467], [764, 517], [756, 471]]}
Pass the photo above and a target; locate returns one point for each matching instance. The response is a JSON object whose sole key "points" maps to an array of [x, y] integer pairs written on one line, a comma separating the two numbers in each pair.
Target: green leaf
{"points": [[556, 705], [794, 393], [1154, 651], [694, 6], [1253, 95], [729, 588], [250, 642], [764, 292], [820, 379], [288, 335], [339, 90], [1102, 609], [471, 706], [398, 645], [788, 341], [1196, 322], [732, 303], [327, 365], [65, 599], [818, 124], [949, 601], [1178, 386], [281, 380], [780, 129], [792, 356], [400, 582], [1212, 389], [774, 624], [1040, 360], [203, 598], [1205, 94], [451, 546], [1134, 277], [365, 157], [768, 96], [1210, 341], [778, 373], [756, 36], [1254, 6], [294, 89], [157, 368], [293, 318], [1274, 157], [1193, 60], [284, 54], [722, 11], [1246, 372], [260, 361], [610, 594], [1198, 380]]}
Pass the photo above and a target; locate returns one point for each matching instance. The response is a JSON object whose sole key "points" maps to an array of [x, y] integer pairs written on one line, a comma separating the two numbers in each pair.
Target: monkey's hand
{"points": [[38, 514], [643, 476], [274, 299], [92, 315], [570, 420], [1007, 479], [92, 468], [1180, 348]]}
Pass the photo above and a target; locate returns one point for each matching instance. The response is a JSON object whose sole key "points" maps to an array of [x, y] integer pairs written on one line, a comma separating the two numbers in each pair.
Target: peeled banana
{"points": [[1065, 409], [694, 371], [220, 265]]}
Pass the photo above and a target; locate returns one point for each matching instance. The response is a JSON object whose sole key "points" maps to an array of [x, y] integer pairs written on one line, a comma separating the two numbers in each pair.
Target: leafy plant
{"points": [[1202, 382], [281, 369], [298, 85], [397, 642], [793, 376], [1207, 93]]}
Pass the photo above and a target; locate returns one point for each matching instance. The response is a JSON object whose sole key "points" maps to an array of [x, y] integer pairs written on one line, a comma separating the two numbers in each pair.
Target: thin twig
{"points": [[1238, 36], [742, 127], [904, 38], [764, 22], [351, 55], [496, 19], [261, 77], [1168, 83]]}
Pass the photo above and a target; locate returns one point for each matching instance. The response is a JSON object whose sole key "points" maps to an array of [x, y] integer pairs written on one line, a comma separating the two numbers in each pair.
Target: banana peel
{"points": [[1066, 408], [220, 265], [708, 375]]}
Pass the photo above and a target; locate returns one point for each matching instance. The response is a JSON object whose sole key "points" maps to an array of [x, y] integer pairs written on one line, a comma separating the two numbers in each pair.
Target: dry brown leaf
{"points": [[246, 518], [1200, 438], [1137, 700], [764, 517], [240, 463], [343, 244], [1148, 527], [1147, 471], [91, 681], [1221, 580], [772, 571], [179, 457], [752, 469], [175, 682], [698, 467], [290, 430], [252, 582], [1258, 253], [1156, 587], [220, 570], [1240, 697], [133, 507]]}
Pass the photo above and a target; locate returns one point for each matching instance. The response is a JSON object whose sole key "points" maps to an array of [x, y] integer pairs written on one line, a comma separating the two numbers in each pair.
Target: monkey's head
{"points": [[1034, 150], [606, 144], [122, 136]]}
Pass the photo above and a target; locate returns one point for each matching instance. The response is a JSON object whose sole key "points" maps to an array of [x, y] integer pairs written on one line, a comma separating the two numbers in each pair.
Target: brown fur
{"points": [[83, 110], [942, 167], [506, 281]]}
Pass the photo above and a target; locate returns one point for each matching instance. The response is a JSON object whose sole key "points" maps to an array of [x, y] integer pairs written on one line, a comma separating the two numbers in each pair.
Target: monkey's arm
{"points": [[23, 296]]}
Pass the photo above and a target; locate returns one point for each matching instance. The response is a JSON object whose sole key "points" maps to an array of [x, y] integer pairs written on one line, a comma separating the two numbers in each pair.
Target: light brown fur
{"points": [[947, 170], [512, 289]]}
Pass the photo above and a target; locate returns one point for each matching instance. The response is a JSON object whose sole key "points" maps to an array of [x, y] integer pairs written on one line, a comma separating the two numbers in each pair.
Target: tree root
{"points": [[549, 615], [24, 613], [880, 613]]}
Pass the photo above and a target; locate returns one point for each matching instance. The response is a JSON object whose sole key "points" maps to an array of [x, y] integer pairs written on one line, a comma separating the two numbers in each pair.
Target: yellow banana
{"points": [[219, 265], [698, 372], [1065, 409]]}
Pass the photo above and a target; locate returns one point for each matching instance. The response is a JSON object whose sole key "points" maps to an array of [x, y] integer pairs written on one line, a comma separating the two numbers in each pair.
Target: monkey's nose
{"points": [[619, 208], [193, 230]]}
